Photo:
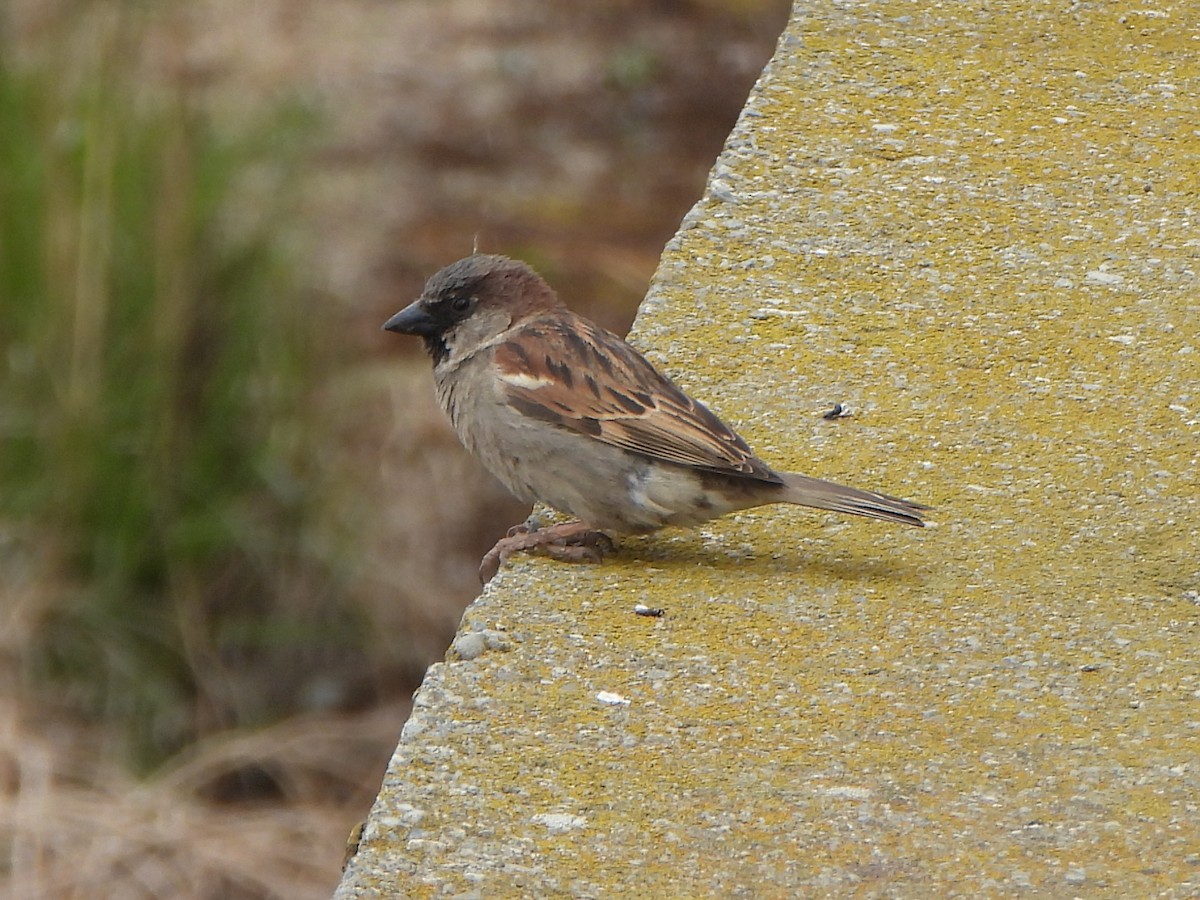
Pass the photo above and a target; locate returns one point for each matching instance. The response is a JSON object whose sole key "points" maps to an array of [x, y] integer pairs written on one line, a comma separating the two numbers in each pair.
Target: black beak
{"points": [[413, 319]]}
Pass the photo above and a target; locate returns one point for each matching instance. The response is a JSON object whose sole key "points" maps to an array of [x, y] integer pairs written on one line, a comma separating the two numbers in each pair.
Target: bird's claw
{"points": [[566, 542], [590, 546]]}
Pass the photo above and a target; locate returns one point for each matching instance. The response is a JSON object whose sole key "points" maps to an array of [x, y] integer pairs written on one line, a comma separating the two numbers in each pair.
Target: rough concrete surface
{"points": [[977, 226]]}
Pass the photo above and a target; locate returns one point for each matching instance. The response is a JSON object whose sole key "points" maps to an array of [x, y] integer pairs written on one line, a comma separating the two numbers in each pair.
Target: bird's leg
{"points": [[567, 542]]}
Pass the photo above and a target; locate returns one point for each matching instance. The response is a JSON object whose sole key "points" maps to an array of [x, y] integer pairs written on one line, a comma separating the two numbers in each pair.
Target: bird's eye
{"points": [[460, 304]]}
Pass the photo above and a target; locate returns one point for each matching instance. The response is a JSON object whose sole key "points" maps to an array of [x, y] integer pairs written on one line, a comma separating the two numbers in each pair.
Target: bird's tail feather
{"points": [[805, 491]]}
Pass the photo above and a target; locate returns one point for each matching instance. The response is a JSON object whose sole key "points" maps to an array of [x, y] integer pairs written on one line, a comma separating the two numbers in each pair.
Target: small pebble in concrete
{"points": [[473, 644], [559, 822]]}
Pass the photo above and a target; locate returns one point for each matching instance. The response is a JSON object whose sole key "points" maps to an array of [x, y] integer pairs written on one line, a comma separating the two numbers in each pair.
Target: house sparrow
{"points": [[568, 414]]}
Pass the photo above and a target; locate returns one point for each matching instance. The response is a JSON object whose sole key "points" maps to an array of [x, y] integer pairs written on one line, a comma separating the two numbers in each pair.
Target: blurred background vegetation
{"points": [[234, 529]]}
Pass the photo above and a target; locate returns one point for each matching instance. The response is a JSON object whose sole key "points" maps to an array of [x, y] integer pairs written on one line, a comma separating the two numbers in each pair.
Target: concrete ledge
{"points": [[976, 226]]}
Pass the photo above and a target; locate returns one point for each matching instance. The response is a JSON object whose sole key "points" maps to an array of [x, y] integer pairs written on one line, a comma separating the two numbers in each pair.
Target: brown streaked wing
{"points": [[560, 368]]}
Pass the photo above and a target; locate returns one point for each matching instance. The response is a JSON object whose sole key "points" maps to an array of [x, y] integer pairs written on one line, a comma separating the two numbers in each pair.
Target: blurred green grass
{"points": [[159, 358]]}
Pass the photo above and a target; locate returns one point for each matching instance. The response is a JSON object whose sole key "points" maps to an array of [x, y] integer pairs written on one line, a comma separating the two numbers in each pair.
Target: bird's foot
{"points": [[566, 542]]}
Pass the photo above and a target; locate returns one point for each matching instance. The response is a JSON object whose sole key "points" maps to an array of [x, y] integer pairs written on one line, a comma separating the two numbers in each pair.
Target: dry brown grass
{"points": [[73, 824], [253, 813]]}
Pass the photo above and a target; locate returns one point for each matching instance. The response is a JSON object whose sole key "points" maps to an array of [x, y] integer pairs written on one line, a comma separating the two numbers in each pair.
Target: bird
{"points": [[565, 413]]}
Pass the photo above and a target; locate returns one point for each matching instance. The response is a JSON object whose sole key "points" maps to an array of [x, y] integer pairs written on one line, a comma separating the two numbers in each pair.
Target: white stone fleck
{"points": [[559, 823]]}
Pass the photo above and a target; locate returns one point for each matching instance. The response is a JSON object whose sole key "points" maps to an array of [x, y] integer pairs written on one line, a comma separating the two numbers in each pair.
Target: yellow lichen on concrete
{"points": [[975, 226]]}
